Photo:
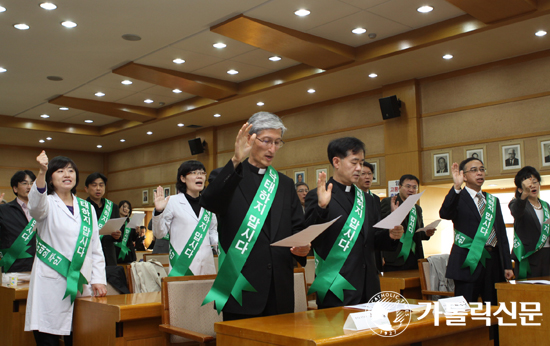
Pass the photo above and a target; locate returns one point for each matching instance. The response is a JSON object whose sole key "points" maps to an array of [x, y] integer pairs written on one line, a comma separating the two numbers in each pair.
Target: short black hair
{"points": [[56, 163], [408, 177], [465, 162], [92, 177], [143, 227], [369, 165], [121, 203], [185, 168], [526, 173], [340, 147], [300, 184], [19, 177]]}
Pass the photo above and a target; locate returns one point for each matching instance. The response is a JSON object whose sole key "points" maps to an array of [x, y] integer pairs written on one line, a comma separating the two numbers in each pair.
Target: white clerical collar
{"points": [[348, 188], [261, 171]]}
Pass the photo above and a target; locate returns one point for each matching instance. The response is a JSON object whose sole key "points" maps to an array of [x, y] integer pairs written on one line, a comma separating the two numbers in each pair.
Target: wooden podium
{"points": [[404, 282], [13, 305]]}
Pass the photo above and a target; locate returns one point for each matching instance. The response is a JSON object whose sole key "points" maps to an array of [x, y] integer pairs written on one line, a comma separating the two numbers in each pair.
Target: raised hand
{"points": [[394, 204], [42, 160], [458, 176], [1, 196], [160, 201], [243, 144], [525, 188], [324, 194]]}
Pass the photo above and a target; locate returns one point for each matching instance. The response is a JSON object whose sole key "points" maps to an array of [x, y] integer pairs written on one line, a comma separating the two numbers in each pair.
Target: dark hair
{"points": [[185, 168], [465, 162], [408, 177], [441, 158], [19, 177], [143, 227], [526, 173], [341, 146], [121, 203], [300, 184], [56, 163], [369, 165], [92, 177]]}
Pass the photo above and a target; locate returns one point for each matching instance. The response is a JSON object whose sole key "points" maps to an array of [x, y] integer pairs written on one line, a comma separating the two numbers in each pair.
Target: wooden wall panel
{"points": [[226, 137]]}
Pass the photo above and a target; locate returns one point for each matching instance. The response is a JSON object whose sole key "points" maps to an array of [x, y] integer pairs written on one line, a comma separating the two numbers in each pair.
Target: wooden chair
{"points": [[300, 290], [183, 317], [425, 282], [163, 258]]}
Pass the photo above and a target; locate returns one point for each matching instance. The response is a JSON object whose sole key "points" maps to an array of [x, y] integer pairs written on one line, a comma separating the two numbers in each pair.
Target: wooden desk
{"points": [[524, 335], [405, 282], [325, 327], [13, 305], [128, 319]]}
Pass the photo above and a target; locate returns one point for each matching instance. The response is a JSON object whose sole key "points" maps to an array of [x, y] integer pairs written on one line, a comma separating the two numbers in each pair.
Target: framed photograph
{"points": [[375, 163], [441, 164], [166, 191], [319, 170], [511, 156], [299, 177], [145, 197], [544, 152], [477, 152]]}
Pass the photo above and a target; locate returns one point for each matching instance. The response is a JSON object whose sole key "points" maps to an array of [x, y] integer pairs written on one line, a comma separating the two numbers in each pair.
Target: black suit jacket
{"points": [[391, 257], [229, 196], [462, 210], [131, 256], [512, 162], [374, 217], [12, 222], [360, 266]]}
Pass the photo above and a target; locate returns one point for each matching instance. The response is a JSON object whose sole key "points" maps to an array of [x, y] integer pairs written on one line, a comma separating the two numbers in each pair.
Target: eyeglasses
{"points": [[25, 183], [409, 187], [200, 173], [302, 190], [475, 170], [369, 174], [268, 142]]}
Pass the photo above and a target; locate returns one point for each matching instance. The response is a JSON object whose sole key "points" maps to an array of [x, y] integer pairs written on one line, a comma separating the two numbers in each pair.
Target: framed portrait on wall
{"points": [[145, 197], [544, 152], [166, 191], [299, 176], [477, 152], [511, 156], [319, 170], [441, 164], [375, 163]]}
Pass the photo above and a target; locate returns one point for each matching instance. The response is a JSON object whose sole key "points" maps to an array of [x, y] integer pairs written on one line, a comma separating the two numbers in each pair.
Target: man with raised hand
{"points": [[255, 206]]}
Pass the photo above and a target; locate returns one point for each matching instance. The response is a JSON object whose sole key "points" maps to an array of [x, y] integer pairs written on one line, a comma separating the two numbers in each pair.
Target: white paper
{"points": [[431, 225], [112, 225], [136, 220], [306, 236], [368, 319], [538, 282], [390, 307], [453, 304], [395, 218]]}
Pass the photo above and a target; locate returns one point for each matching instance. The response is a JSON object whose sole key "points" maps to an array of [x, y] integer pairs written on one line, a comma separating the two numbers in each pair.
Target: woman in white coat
{"points": [[70, 262], [192, 229]]}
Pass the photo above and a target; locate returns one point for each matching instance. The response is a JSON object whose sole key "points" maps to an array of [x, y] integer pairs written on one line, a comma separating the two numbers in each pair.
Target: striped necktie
{"points": [[492, 241]]}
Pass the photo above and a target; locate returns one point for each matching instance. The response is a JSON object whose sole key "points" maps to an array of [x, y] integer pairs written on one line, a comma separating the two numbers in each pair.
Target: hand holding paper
{"points": [[306, 236], [432, 225], [396, 217], [112, 225]]}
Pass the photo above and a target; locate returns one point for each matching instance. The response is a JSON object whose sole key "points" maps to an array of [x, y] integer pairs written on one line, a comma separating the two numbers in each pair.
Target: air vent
{"points": [[194, 126]]}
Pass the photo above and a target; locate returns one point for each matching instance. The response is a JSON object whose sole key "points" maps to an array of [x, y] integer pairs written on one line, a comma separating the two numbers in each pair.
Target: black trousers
{"points": [[108, 245], [45, 339], [269, 310]]}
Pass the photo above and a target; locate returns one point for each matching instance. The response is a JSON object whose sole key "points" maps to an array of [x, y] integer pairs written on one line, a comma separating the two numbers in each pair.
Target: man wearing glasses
{"points": [[17, 242], [480, 256], [255, 206], [410, 249]]}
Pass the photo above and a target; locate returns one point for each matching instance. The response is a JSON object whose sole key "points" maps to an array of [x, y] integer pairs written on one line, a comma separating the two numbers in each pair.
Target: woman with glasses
{"points": [[192, 229], [531, 248], [124, 246]]}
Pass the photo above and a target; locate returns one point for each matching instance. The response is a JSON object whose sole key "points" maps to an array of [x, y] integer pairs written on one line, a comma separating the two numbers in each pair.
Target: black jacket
{"points": [[12, 223]]}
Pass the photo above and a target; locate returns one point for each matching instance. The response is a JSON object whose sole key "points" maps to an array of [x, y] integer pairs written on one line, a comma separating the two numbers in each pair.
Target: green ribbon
{"points": [[181, 262], [124, 249], [519, 249], [62, 265], [18, 250], [465, 242], [407, 238], [230, 280], [327, 271], [105, 215]]}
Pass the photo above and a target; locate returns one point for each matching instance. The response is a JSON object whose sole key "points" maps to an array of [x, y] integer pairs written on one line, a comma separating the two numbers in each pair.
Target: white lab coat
{"points": [[179, 219], [47, 311]]}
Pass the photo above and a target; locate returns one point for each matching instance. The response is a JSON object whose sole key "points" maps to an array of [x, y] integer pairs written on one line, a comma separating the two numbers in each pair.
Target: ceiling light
{"points": [[232, 71], [178, 61], [100, 146], [302, 13], [45, 116], [49, 138], [126, 82], [68, 24], [311, 91], [21, 26], [540, 33], [63, 108], [217, 115], [260, 103], [425, 9], [131, 37], [48, 6], [122, 140], [373, 75], [2, 9], [148, 101], [88, 121], [99, 94], [176, 91], [359, 31], [275, 58], [447, 56], [219, 45], [181, 125], [41, 141], [149, 132], [2, 70]]}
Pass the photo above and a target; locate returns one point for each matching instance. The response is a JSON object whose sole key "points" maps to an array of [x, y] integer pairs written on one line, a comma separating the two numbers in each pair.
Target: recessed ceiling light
{"points": [[181, 124], [540, 33], [260, 103], [100, 146], [359, 31], [373, 75], [21, 26], [447, 56], [41, 141], [149, 132], [2, 9], [311, 91], [99, 94], [122, 140], [88, 121], [178, 61], [232, 71], [126, 82], [48, 6], [68, 24], [219, 45], [131, 37], [176, 91], [302, 13], [274, 58], [63, 108], [217, 115], [148, 101], [425, 9], [2, 70], [45, 116], [49, 138]]}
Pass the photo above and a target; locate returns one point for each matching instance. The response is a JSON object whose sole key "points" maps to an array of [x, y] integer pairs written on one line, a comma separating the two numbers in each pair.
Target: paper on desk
{"points": [[431, 225], [306, 236], [538, 282], [395, 218], [135, 220], [390, 307], [112, 225]]}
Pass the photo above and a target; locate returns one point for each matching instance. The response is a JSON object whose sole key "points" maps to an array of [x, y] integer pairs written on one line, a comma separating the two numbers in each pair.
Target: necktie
{"points": [[492, 241]]}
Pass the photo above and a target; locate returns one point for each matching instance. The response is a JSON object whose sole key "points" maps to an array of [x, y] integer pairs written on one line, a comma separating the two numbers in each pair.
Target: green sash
{"points": [[519, 249], [407, 238], [124, 249], [328, 271], [70, 269], [230, 280], [180, 263], [105, 215], [18, 249]]}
